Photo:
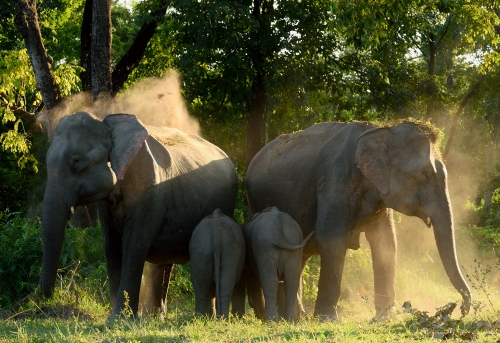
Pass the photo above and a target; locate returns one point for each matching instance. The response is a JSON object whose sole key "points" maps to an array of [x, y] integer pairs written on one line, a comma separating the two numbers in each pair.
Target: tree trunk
{"points": [[85, 44], [256, 104], [255, 119], [101, 50], [26, 21]]}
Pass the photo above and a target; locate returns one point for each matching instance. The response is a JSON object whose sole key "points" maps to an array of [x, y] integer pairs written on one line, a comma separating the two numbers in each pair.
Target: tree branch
{"points": [[85, 43], [133, 56], [34, 126]]}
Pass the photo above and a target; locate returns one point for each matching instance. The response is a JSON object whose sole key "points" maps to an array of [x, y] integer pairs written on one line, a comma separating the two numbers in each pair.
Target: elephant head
{"points": [[85, 159], [402, 164]]}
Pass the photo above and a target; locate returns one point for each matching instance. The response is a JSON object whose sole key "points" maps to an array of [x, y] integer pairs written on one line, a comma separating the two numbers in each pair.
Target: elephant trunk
{"points": [[55, 213], [442, 222]]}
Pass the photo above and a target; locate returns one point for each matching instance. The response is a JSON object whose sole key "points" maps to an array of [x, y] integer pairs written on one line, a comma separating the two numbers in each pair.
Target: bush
{"points": [[21, 257], [484, 222]]}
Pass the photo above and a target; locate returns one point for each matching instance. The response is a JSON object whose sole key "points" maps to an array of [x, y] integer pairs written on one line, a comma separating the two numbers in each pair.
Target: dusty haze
{"points": [[155, 101]]}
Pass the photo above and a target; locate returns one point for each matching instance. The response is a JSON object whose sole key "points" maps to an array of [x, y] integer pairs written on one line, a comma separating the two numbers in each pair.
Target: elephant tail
{"points": [[286, 246], [217, 265]]}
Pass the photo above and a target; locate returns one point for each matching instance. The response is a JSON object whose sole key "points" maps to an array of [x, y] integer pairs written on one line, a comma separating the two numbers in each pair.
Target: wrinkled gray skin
{"points": [[153, 185], [274, 253], [341, 179], [217, 251]]}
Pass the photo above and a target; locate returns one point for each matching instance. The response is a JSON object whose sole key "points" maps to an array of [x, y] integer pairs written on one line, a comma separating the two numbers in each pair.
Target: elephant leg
{"points": [[332, 244], [255, 295], [127, 299], [227, 282], [300, 306], [270, 288], [292, 273], [281, 300], [154, 289], [381, 236], [281, 293], [205, 300], [203, 285], [167, 272], [113, 252], [268, 275], [238, 298]]}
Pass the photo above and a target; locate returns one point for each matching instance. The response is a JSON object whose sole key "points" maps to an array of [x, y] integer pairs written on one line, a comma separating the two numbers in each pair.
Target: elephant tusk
{"points": [[429, 222], [72, 210]]}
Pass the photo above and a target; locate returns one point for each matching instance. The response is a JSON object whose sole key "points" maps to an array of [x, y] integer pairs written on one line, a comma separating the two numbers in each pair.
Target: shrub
{"points": [[484, 222], [21, 257]]}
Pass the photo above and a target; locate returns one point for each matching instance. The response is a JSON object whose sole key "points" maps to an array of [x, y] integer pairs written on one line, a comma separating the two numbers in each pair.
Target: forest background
{"points": [[239, 73]]}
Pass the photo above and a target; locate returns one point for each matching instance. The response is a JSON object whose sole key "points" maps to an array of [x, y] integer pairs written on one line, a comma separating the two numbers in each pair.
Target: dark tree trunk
{"points": [[134, 54], [101, 49], [26, 21], [85, 44], [256, 104], [255, 119]]}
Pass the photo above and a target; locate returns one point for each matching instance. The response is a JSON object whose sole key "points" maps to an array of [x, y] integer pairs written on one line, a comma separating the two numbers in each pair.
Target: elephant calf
{"points": [[217, 252], [274, 253]]}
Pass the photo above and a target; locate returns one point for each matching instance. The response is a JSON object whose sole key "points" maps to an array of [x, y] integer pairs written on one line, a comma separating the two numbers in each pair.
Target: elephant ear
{"points": [[126, 134], [372, 157]]}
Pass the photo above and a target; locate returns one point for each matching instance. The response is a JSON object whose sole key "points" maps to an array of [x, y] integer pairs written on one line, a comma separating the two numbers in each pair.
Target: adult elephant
{"points": [[154, 185], [341, 179]]}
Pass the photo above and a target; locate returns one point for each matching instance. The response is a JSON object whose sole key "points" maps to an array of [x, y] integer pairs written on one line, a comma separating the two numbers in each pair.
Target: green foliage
{"points": [[180, 288], [216, 59], [60, 23], [21, 258], [16, 88], [484, 223]]}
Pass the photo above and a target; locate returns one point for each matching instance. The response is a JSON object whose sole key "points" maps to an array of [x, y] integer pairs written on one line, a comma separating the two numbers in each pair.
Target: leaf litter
{"points": [[441, 326]]}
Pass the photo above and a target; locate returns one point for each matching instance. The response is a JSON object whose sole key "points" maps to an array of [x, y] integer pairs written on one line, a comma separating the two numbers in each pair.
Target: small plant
{"points": [[126, 311], [478, 281]]}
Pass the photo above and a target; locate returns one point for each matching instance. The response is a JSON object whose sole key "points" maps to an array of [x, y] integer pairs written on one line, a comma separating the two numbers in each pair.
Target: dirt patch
{"points": [[56, 312]]}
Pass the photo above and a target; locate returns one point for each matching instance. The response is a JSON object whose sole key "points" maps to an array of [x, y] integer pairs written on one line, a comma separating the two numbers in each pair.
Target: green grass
{"points": [[80, 306], [78, 314], [178, 326]]}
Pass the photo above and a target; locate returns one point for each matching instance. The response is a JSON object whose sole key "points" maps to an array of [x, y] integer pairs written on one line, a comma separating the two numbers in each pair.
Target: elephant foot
{"points": [[327, 316], [385, 313], [112, 321], [326, 313]]}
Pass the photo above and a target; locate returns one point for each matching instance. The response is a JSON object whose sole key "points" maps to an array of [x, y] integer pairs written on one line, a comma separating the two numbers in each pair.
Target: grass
{"points": [[179, 326], [80, 307], [75, 314]]}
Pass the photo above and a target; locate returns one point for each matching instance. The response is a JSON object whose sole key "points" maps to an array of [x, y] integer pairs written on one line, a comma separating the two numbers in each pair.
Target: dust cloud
{"points": [[156, 101]]}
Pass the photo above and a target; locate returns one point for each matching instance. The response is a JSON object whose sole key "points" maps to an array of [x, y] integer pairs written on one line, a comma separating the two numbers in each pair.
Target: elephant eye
{"points": [[74, 163]]}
